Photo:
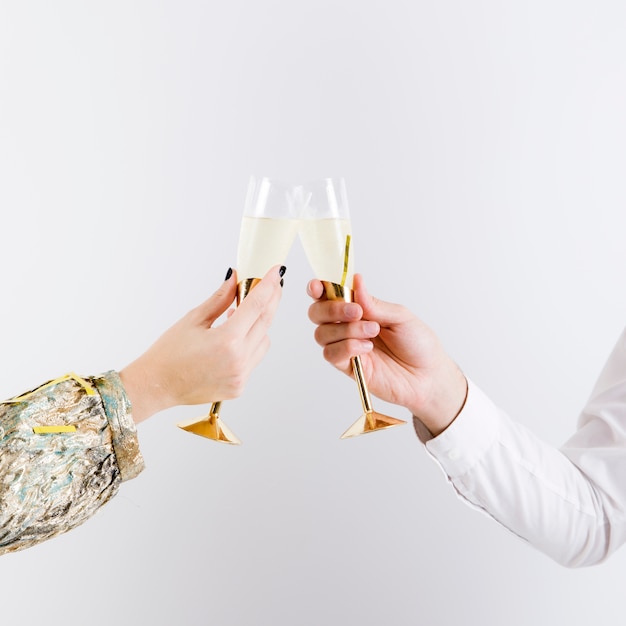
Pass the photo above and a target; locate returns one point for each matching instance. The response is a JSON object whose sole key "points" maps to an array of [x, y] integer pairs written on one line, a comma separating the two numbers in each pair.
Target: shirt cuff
{"points": [[123, 429], [474, 431]]}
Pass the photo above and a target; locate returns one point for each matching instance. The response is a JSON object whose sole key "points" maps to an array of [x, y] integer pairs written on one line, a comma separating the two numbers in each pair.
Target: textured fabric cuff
{"points": [[458, 448], [123, 430]]}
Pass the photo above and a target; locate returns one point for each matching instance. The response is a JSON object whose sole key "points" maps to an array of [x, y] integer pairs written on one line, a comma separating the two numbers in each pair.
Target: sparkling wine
{"points": [[263, 243], [328, 247]]}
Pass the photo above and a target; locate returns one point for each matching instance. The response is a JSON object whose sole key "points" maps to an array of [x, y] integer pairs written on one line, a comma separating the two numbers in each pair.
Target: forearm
{"points": [[66, 447], [530, 487]]}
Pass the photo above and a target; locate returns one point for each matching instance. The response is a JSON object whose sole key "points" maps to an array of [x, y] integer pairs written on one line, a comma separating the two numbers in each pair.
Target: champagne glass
{"points": [[268, 229], [326, 235]]}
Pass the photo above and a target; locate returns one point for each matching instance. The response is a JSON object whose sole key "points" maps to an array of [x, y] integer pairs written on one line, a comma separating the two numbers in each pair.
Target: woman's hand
{"points": [[196, 363]]}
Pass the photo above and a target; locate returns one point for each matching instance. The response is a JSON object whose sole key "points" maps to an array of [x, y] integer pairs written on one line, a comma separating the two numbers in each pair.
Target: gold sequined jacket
{"points": [[65, 448]]}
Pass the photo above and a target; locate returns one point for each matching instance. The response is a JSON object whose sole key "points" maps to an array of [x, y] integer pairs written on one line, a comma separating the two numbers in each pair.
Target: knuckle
{"points": [[230, 339], [236, 382], [334, 354], [314, 312], [402, 310], [255, 300], [329, 354], [238, 386], [319, 336]]}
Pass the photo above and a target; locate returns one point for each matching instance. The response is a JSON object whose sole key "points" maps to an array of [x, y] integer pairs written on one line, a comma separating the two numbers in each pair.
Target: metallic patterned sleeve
{"points": [[65, 447]]}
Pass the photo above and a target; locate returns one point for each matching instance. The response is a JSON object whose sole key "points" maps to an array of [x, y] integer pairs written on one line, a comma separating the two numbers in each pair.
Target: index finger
{"points": [[261, 301], [328, 311]]}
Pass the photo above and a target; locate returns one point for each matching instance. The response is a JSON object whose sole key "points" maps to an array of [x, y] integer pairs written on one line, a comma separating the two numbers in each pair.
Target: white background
{"points": [[483, 148]]}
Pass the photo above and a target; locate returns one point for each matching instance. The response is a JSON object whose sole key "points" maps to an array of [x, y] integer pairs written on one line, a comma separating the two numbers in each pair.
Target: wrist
{"points": [[446, 401], [147, 395]]}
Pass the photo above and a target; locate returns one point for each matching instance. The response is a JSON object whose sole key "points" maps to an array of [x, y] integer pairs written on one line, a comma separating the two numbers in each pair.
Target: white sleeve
{"points": [[568, 503]]}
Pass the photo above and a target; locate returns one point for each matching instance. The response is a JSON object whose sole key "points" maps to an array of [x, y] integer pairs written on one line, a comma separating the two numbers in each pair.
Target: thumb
{"points": [[219, 302], [375, 310]]}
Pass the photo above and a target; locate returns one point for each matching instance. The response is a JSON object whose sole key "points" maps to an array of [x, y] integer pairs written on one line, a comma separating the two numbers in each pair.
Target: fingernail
{"points": [[229, 273], [282, 270], [282, 282]]}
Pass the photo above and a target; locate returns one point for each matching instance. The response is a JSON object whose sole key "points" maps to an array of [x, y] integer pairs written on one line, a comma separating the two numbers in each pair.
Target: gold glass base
{"points": [[370, 421], [211, 427]]}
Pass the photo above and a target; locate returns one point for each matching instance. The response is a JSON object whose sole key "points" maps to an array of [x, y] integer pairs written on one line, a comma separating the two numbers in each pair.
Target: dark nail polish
{"points": [[282, 282], [229, 273], [282, 270]]}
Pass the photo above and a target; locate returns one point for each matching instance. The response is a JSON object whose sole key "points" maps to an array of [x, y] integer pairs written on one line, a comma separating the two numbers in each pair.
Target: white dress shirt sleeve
{"points": [[569, 503]]}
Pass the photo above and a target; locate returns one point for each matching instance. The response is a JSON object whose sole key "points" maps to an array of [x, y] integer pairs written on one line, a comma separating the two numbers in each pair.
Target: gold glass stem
{"points": [[366, 401], [357, 368], [370, 421]]}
